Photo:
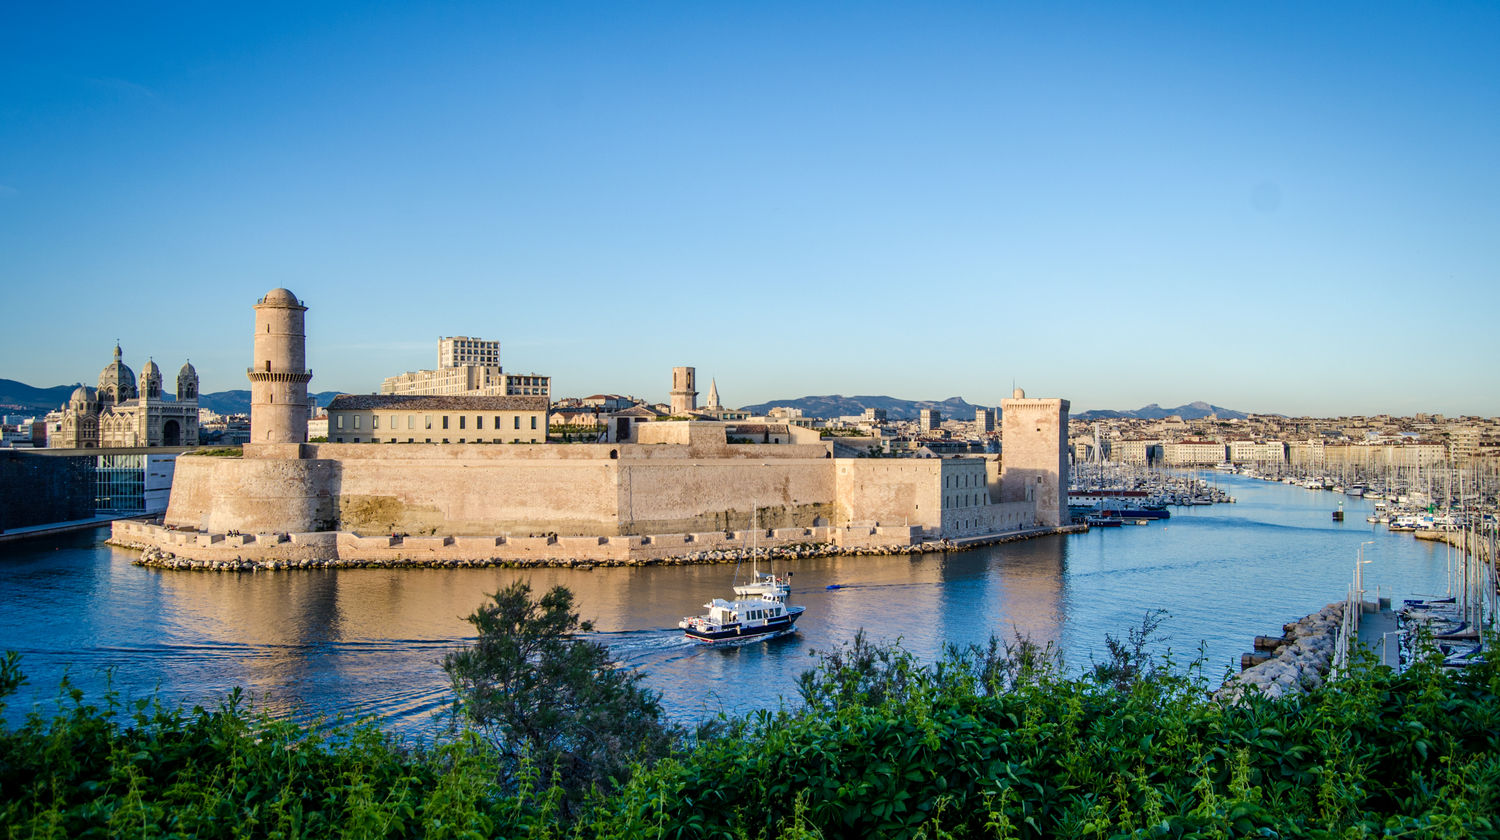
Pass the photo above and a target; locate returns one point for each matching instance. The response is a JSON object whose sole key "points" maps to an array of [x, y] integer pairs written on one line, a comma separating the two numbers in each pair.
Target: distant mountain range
{"points": [[837, 405], [20, 398], [956, 408], [1191, 411]]}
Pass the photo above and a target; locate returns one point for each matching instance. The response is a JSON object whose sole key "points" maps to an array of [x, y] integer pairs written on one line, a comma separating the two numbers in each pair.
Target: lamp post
{"points": [[1385, 640], [1359, 583]]}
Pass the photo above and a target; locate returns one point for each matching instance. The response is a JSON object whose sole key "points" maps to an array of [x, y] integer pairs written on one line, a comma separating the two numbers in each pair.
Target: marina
{"points": [[363, 642]]}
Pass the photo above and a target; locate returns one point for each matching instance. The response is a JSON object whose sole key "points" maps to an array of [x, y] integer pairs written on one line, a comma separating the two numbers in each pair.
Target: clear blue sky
{"points": [[1289, 207]]}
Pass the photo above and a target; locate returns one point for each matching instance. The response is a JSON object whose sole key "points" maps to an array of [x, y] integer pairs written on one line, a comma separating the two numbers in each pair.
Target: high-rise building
{"points": [[467, 367], [458, 350]]}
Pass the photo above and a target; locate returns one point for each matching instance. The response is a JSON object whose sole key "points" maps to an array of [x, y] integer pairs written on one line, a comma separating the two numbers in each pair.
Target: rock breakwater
{"points": [[159, 558], [1296, 663]]}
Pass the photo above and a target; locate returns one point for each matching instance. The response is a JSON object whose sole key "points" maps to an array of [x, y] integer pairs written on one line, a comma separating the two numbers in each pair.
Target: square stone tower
{"points": [[684, 391], [1034, 455]]}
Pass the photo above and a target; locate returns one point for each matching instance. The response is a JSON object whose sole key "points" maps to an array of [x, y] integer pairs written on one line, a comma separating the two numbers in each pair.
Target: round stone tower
{"points": [[278, 380]]}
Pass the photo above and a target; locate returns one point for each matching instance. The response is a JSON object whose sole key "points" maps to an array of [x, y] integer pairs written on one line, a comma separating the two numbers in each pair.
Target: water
{"points": [[370, 642]]}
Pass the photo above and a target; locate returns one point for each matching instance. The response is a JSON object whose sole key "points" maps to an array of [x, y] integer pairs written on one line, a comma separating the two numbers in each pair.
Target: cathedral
{"points": [[128, 412]]}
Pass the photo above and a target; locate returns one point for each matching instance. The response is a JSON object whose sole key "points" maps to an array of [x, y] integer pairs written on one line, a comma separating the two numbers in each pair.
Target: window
{"points": [[356, 424], [411, 421], [533, 421], [479, 421], [445, 423], [340, 423], [462, 422], [429, 425], [518, 421], [375, 421]]}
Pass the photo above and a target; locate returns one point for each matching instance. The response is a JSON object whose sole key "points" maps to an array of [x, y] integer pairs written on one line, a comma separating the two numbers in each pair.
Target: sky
{"points": [[1272, 206]]}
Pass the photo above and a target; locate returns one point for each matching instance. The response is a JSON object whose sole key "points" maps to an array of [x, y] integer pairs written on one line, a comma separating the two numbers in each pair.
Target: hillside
{"points": [[20, 398], [837, 405], [1191, 411]]}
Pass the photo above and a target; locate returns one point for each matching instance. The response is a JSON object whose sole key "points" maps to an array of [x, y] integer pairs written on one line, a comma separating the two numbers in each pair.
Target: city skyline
{"points": [[1271, 208]]}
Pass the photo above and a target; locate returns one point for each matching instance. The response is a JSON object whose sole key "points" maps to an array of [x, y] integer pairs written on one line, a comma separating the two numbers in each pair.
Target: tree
{"points": [[539, 693]]}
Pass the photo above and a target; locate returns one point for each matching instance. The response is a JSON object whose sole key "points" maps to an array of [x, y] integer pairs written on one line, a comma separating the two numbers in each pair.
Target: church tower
{"points": [[684, 391], [278, 380], [713, 396]]}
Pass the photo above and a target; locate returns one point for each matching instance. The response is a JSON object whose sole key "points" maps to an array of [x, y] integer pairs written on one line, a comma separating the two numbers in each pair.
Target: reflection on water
{"points": [[370, 642]]}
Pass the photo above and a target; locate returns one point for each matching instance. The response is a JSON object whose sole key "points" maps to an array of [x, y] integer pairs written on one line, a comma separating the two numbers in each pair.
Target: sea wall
{"points": [[1295, 663], [165, 547], [1462, 540], [191, 549]]}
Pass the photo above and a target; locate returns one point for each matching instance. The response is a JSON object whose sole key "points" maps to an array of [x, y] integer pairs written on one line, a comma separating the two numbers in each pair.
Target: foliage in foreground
{"points": [[990, 741], [547, 700]]}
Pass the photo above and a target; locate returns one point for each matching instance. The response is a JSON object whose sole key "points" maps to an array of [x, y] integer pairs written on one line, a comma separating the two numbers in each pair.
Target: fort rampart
{"points": [[349, 548]]}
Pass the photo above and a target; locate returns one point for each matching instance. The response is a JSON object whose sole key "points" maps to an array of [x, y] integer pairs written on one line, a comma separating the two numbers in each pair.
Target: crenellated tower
{"points": [[279, 377]]}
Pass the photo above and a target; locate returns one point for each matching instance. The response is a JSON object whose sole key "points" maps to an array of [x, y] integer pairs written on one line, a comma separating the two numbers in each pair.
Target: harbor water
{"points": [[369, 642]]}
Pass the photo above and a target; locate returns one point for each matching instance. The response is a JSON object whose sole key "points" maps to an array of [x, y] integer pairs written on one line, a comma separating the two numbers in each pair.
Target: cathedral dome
{"points": [[150, 369], [187, 370], [283, 297], [117, 381], [82, 394]]}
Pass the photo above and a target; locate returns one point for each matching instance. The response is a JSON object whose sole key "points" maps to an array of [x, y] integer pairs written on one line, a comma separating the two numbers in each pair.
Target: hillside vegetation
{"points": [[987, 742]]}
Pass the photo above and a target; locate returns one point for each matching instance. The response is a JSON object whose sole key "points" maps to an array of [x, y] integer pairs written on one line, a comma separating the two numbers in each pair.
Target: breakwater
{"points": [[165, 548], [1294, 663], [1476, 544]]}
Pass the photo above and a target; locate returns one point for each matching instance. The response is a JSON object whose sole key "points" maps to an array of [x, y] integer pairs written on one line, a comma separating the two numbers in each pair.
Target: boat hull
{"points": [[739, 632]]}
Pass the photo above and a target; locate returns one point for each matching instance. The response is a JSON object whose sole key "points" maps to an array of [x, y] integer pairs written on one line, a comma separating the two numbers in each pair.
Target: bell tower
{"points": [[684, 390], [279, 376]]}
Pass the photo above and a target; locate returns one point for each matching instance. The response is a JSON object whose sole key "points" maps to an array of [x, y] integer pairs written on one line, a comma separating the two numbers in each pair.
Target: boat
{"points": [[759, 610], [750, 617], [1147, 512], [1104, 522]]}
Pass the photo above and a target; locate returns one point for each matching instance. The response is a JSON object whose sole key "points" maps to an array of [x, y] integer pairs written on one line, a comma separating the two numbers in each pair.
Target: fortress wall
{"points": [[459, 496], [191, 497], [891, 491], [989, 519], [250, 494], [657, 495]]}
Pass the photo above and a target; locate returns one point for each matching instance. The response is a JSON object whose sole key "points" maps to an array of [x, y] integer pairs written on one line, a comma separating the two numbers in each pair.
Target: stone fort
{"points": [[680, 486]]}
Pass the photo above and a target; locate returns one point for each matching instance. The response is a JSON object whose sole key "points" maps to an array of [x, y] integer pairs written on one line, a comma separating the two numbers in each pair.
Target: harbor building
{"points": [[127, 412], [1267, 452], [686, 484], [467, 367], [387, 418], [1188, 453]]}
